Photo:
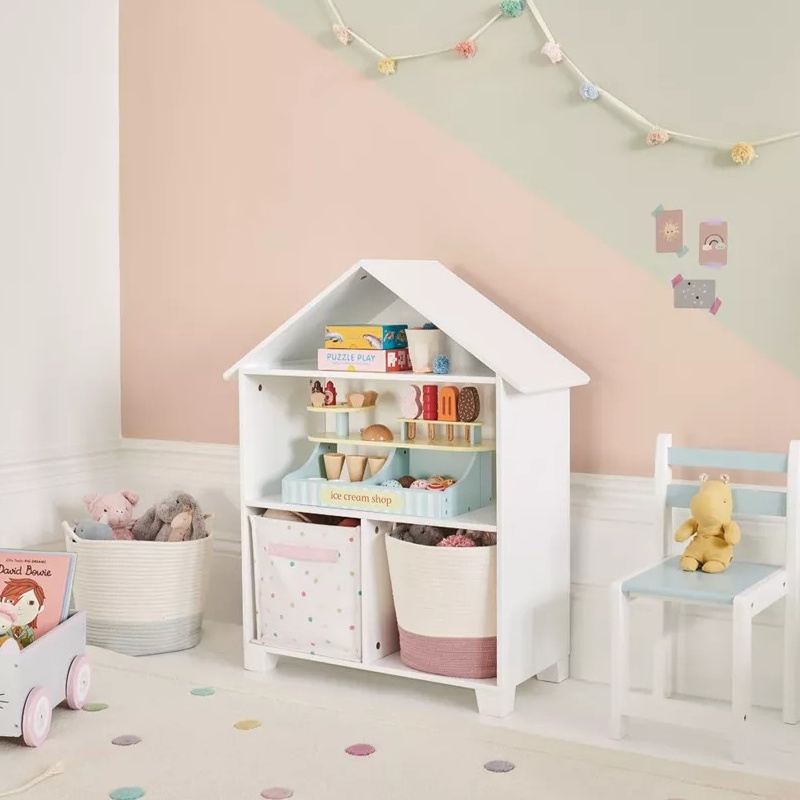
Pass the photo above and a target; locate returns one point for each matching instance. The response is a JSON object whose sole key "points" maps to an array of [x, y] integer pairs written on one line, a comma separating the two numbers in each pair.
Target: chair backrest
{"points": [[766, 501]]}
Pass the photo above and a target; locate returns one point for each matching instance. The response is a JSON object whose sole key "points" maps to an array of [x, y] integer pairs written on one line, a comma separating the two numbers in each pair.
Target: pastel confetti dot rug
{"points": [[188, 746]]}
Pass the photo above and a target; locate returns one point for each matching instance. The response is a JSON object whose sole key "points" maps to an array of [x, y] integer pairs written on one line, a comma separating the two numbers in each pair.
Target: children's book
{"points": [[35, 590]]}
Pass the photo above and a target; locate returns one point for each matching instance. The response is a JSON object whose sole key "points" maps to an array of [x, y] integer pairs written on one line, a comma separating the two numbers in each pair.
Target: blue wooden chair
{"points": [[746, 588]]}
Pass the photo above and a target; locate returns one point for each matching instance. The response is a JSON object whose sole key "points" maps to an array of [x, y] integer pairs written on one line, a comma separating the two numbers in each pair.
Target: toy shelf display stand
{"points": [[505, 470]]}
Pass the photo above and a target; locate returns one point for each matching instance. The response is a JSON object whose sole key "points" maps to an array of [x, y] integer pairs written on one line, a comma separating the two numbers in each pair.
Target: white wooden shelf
{"points": [[388, 665], [420, 443], [308, 369], [481, 519], [339, 409], [524, 386]]}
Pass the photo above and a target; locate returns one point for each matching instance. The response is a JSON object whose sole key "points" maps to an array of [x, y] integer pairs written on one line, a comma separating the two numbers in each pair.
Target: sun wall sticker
{"points": [[669, 231]]}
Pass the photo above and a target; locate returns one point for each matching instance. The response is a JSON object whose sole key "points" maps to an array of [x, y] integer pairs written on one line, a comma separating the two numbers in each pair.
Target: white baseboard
{"points": [[613, 533], [41, 489]]}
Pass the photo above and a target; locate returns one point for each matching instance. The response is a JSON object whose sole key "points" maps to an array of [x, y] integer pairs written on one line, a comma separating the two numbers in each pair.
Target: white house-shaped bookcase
{"points": [[512, 476]]}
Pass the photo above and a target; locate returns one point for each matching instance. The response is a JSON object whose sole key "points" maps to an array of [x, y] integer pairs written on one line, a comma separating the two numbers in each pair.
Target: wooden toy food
{"points": [[448, 401], [430, 401], [411, 402], [376, 433], [469, 404]]}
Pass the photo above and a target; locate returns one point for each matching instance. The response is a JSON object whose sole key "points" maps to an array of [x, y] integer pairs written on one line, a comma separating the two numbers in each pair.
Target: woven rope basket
{"points": [[445, 599], [141, 598]]}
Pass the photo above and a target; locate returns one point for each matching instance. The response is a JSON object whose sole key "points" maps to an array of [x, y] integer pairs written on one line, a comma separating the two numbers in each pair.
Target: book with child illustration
{"points": [[35, 590]]}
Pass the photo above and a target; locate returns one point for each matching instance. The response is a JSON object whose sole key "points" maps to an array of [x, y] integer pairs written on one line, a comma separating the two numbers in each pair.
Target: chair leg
{"points": [[742, 675], [664, 656], [620, 660], [791, 657]]}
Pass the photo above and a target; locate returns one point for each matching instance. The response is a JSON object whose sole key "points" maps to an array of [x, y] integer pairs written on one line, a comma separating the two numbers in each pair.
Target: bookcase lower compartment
{"points": [[323, 590], [472, 490]]}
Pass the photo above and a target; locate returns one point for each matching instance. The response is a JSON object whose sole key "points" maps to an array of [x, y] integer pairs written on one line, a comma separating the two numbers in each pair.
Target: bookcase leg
{"points": [[557, 673], [257, 659], [496, 702]]}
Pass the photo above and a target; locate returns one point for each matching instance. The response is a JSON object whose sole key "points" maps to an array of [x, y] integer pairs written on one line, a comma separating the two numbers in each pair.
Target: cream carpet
{"points": [[191, 748]]}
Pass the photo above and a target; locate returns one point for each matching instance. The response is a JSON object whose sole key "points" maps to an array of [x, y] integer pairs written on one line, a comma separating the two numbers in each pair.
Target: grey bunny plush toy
{"points": [[417, 534], [155, 525]]}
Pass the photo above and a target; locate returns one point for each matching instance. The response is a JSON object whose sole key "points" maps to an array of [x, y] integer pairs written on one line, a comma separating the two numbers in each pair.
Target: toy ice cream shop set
{"points": [[406, 486], [412, 462]]}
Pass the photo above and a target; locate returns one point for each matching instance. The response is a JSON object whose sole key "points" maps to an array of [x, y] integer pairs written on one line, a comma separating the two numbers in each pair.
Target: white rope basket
{"points": [[141, 598], [445, 599]]}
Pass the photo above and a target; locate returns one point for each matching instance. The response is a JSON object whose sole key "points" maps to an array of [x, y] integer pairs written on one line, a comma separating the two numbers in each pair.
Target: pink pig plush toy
{"points": [[116, 510]]}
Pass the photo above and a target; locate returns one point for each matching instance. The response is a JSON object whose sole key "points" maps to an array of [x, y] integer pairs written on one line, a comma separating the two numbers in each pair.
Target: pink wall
{"points": [[256, 167]]}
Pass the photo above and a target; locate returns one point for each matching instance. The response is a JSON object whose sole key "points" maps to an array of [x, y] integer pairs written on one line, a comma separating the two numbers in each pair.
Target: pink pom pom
{"points": [[553, 52], [456, 540], [342, 33], [657, 136], [466, 49]]}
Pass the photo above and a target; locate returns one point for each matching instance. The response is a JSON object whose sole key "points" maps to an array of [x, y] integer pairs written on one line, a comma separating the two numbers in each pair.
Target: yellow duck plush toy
{"points": [[714, 532]]}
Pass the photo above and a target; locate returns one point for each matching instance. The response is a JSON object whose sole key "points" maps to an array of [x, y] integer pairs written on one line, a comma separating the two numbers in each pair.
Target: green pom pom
{"points": [[511, 8]]}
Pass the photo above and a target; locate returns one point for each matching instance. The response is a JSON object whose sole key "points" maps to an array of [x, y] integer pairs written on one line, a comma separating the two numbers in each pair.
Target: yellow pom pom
{"points": [[743, 153], [387, 66]]}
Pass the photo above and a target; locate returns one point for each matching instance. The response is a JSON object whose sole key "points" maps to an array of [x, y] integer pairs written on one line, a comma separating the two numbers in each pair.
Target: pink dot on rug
{"points": [[360, 750], [277, 793]]}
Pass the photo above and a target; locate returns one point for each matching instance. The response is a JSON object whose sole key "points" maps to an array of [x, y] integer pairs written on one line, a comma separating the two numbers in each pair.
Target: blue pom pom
{"points": [[429, 326], [589, 91], [511, 8], [441, 365]]}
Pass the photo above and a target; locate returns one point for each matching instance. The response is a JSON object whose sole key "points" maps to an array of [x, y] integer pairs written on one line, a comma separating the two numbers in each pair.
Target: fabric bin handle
{"points": [[323, 555]]}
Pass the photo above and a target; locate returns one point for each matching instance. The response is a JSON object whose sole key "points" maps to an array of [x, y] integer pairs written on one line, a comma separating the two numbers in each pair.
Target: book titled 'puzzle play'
{"points": [[35, 589]]}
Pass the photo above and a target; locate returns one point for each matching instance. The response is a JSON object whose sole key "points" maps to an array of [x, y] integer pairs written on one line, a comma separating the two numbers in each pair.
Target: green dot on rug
{"points": [[127, 793], [95, 707], [203, 691]]}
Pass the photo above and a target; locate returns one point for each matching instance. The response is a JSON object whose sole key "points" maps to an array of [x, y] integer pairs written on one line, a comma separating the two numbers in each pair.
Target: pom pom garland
{"points": [[740, 153], [589, 91], [466, 49], [387, 66], [342, 33], [511, 8], [657, 136], [553, 51], [743, 153]]}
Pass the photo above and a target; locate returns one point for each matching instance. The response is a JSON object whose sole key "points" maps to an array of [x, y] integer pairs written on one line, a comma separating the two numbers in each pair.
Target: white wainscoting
{"points": [[39, 492], [613, 533]]}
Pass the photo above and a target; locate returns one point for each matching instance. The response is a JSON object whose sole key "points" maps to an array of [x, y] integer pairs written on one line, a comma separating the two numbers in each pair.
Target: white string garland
{"points": [[741, 152]]}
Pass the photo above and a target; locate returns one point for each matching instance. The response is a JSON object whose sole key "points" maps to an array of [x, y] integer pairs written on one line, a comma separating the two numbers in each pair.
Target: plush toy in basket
{"points": [[177, 518], [714, 532]]}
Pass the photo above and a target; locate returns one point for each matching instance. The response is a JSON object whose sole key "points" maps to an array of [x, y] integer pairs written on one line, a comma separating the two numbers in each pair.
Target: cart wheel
{"points": [[79, 679], [36, 717]]}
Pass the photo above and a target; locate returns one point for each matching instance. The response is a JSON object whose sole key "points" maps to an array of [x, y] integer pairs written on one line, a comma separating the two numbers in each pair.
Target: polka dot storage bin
{"points": [[141, 598], [308, 587]]}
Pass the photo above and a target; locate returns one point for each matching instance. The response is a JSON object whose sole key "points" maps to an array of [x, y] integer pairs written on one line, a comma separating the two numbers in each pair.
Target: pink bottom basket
{"points": [[446, 604]]}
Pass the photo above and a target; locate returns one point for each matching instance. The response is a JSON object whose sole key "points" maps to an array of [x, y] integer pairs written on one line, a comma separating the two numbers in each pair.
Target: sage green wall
{"points": [[716, 69]]}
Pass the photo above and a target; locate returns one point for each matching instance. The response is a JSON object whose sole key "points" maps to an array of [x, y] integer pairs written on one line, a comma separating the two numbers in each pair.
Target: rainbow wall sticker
{"points": [[714, 243], [695, 293], [669, 231]]}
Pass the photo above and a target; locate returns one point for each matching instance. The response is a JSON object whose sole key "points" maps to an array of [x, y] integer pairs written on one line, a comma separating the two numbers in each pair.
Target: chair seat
{"points": [[669, 581]]}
